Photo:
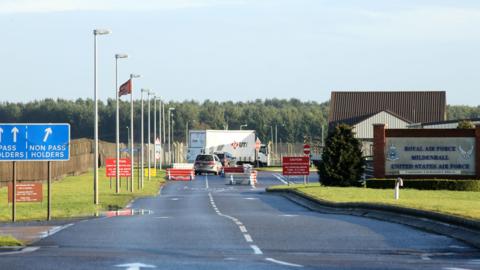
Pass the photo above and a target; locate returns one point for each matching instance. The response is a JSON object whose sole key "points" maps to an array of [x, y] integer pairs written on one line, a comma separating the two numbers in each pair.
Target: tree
{"points": [[465, 124], [342, 163]]}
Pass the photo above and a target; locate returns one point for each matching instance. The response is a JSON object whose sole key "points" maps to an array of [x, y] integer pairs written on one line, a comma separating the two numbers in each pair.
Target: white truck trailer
{"points": [[239, 143]]}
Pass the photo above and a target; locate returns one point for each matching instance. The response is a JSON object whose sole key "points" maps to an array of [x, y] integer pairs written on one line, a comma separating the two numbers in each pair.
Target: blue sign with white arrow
{"points": [[34, 142]]}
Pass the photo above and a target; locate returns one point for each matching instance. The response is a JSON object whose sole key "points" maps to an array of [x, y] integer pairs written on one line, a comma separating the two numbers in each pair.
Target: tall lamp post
{"points": [[160, 131], [142, 138], [155, 132], [170, 114], [117, 127], [132, 76], [150, 93], [96, 32]]}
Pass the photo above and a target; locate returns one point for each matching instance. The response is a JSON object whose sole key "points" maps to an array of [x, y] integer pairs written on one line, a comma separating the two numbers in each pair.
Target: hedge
{"points": [[427, 184]]}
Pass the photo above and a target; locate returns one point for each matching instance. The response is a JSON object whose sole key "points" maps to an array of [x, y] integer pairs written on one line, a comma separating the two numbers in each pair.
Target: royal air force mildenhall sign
{"points": [[34, 142]]}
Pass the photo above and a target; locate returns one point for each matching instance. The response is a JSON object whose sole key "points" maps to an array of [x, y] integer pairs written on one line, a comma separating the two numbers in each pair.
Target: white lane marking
{"points": [[238, 223], [289, 215], [248, 238], [161, 217], [279, 177], [23, 250], [283, 263], [250, 198], [455, 268], [256, 250], [54, 230], [426, 257], [206, 182], [135, 266], [174, 199], [242, 229], [455, 246]]}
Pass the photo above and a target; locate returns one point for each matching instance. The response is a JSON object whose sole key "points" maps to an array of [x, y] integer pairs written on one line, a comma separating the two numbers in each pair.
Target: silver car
{"points": [[205, 163]]}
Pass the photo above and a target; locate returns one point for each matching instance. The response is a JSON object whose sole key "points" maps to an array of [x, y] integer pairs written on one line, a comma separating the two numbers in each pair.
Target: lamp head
{"points": [[101, 31]]}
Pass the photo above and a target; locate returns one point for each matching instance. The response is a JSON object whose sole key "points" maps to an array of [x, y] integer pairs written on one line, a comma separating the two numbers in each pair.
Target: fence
{"points": [[81, 160]]}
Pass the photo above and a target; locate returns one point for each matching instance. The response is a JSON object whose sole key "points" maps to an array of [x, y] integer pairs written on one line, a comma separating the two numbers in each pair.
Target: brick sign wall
{"points": [[426, 153]]}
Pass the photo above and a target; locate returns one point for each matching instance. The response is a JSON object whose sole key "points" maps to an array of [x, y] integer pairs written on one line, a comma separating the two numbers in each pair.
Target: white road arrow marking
{"points": [[135, 266], [48, 131], [14, 132], [1, 133]]}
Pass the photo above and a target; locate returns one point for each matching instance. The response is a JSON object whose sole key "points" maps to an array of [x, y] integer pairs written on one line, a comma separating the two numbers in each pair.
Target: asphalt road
{"points": [[205, 224]]}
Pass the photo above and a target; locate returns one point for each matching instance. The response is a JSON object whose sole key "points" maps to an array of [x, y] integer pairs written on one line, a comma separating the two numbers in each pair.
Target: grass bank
{"points": [[73, 197], [460, 203], [9, 241]]}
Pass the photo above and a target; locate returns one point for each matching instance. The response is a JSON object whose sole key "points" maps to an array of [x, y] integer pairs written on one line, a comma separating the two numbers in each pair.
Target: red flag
{"points": [[125, 88]]}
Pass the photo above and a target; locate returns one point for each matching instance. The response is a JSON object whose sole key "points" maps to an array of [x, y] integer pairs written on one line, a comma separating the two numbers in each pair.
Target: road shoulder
{"points": [[465, 230]]}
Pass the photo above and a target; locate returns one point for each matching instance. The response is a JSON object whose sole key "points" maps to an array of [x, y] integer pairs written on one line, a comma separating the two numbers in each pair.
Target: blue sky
{"points": [[241, 49]]}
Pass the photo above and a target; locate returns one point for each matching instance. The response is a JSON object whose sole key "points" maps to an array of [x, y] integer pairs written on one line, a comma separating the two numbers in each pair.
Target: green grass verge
{"points": [[459, 203], [73, 197], [9, 241]]}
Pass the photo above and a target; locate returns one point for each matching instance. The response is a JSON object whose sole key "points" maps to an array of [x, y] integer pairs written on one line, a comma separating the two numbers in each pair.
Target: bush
{"points": [[427, 184], [342, 163]]}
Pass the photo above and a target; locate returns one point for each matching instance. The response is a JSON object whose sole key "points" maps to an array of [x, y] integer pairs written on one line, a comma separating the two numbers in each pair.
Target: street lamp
{"points": [[245, 125], [154, 132], [150, 93], [96, 32], [160, 118], [132, 76], [142, 138], [117, 127], [170, 130]]}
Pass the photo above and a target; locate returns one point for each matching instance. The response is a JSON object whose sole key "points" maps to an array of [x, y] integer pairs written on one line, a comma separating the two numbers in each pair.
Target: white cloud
{"points": [[39, 6]]}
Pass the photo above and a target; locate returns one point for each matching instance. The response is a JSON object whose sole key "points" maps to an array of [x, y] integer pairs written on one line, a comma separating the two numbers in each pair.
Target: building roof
{"points": [[473, 120], [412, 106]]}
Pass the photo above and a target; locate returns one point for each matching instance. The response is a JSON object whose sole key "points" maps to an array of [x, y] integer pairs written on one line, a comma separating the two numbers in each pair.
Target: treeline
{"points": [[293, 118]]}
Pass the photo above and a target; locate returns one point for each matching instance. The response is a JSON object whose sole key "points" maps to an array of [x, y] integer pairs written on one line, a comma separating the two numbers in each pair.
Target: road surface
{"points": [[205, 224]]}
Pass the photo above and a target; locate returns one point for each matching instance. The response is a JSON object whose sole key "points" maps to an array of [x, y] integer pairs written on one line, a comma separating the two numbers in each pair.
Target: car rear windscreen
{"points": [[205, 158]]}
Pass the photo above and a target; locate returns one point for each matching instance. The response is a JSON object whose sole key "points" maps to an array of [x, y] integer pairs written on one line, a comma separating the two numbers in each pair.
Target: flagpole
{"points": [[131, 141], [155, 132], [160, 132]]}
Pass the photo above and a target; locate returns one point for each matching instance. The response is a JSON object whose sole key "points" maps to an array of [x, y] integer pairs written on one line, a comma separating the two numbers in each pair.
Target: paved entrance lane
{"points": [[205, 224], [290, 233], [183, 232]]}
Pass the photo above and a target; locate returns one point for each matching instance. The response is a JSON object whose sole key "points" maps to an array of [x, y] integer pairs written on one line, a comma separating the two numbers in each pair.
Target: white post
{"points": [[148, 137], [155, 132], [141, 139], [398, 184], [160, 132], [95, 121]]}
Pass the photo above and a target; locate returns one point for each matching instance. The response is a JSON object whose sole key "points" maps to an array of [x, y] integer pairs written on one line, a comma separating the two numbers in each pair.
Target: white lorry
{"points": [[241, 144]]}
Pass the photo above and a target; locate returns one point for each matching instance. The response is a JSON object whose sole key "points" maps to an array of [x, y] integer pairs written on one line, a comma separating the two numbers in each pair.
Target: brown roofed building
{"points": [[414, 106], [396, 109]]}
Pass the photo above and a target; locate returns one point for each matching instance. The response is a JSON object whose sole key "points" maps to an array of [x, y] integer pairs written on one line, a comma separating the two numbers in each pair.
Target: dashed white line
{"points": [[455, 268], [161, 217], [283, 263], [248, 238], [256, 250], [206, 182], [243, 229], [289, 215]]}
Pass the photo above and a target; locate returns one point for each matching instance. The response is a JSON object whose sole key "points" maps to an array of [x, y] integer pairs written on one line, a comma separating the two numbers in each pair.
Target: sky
{"points": [[240, 50]]}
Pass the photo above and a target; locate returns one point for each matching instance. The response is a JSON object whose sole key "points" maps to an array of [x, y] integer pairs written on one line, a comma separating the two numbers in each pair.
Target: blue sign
{"points": [[35, 142]]}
